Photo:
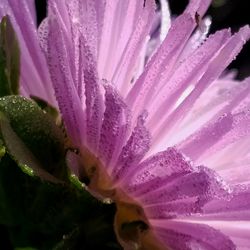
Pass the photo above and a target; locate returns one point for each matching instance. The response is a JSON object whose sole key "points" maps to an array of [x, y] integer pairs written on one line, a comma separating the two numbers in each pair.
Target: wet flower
{"points": [[161, 129]]}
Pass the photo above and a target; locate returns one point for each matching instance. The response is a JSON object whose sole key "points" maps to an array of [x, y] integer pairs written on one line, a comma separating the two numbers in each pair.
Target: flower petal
{"points": [[124, 71], [162, 59], [134, 150], [225, 130], [216, 67], [166, 165], [183, 195], [199, 6], [65, 91], [185, 75], [188, 236], [168, 186], [33, 63], [165, 19], [236, 208], [94, 102], [115, 127], [231, 216], [126, 25]]}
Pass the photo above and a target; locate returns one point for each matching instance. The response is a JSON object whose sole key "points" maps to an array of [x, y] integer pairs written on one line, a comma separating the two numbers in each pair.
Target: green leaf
{"points": [[2, 149], [32, 138], [45, 106], [20, 153], [9, 59], [45, 215]]}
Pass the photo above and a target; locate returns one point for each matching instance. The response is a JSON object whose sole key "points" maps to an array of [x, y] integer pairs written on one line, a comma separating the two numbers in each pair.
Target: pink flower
{"points": [[167, 141]]}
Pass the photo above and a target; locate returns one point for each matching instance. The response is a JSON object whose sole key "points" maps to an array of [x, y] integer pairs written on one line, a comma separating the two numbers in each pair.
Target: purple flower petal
{"points": [[186, 74], [33, 64], [125, 67], [125, 27], [84, 16], [188, 236], [225, 130], [237, 207], [218, 64], [168, 186], [183, 195], [65, 91], [43, 32], [231, 216], [199, 6], [238, 171], [136, 147], [115, 127], [157, 170], [163, 59], [93, 101]]}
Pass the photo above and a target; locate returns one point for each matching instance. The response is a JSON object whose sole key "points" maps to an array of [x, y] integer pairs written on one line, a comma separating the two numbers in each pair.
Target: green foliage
{"points": [[9, 59], [45, 106], [32, 137], [45, 215]]}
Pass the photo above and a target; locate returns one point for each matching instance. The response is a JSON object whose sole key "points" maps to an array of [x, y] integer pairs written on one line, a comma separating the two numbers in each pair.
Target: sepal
{"points": [[9, 59]]}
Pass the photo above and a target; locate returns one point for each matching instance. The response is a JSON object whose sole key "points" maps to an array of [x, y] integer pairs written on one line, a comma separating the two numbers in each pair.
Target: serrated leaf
{"points": [[9, 59], [32, 137]]}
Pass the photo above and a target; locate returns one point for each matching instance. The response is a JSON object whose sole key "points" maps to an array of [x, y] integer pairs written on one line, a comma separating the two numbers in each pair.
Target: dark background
{"points": [[224, 13]]}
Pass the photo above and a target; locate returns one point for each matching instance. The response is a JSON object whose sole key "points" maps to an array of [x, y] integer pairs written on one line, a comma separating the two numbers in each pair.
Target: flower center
{"points": [[132, 227]]}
